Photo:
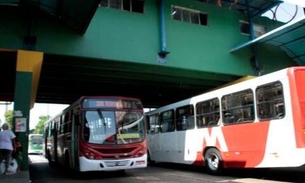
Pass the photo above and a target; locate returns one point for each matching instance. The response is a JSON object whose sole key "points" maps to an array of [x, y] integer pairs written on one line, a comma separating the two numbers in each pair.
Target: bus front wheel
{"points": [[213, 161], [51, 163]]}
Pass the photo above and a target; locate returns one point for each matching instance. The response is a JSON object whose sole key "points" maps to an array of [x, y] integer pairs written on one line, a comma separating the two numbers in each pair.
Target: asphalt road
{"points": [[40, 172]]}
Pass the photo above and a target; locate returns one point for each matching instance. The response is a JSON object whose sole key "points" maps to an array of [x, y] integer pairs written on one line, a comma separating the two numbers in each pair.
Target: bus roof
{"points": [[244, 83]]}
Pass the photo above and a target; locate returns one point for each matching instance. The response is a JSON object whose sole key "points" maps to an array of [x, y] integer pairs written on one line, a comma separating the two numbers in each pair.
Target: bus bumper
{"points": [[111, 165]]}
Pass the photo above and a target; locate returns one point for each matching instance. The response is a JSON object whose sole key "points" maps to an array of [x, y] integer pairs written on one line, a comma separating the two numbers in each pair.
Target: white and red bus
{"points": [[257, 123], [98, 133]]}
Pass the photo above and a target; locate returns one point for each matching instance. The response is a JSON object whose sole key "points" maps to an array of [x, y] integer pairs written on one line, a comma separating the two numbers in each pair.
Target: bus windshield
{"points": [[113, 127]]}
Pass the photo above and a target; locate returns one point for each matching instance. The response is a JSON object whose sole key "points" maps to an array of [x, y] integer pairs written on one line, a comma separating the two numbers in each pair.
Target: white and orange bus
{"points": [[257, 123], [98, 133]]}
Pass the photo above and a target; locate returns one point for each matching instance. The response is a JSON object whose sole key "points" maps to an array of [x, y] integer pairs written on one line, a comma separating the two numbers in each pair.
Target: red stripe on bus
{"points": [[246, 144], [297, 90]]}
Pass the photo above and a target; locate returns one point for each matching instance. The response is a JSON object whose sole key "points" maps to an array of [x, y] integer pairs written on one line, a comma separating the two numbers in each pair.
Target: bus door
{"points": [[167, 136], [46, 144], [184, 134], [154, 137], [53, 149], [74, 140]]}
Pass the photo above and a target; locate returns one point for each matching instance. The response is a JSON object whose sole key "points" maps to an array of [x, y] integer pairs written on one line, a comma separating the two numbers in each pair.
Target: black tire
{"points": [[51, 163], [213, 161], [67, 161], [67, 169]]}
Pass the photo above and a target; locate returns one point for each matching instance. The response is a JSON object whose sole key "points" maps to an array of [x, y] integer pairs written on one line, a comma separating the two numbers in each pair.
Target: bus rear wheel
{"points": [[213, 161]]}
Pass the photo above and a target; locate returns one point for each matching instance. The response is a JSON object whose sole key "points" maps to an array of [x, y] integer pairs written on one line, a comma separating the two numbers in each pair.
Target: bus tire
{"points": [[67, 161], [213, 161], [67, 168], [51, 163]]}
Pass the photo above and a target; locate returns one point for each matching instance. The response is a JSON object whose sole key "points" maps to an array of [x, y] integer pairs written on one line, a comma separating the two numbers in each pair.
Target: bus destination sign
{"points": [[111, 103]]}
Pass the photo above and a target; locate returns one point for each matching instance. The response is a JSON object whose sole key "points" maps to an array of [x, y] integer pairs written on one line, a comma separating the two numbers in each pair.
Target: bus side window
{"points": [[270, 101], [154, 124], [167, 121], [53, 132], [238, 107], [207, 113], [185, 118]]}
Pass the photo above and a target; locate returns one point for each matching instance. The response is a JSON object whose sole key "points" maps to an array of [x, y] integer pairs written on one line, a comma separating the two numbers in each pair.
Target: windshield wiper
{"points": [[102, 118]]}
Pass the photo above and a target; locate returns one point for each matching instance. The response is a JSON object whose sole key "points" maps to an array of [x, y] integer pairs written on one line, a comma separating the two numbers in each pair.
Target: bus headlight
{"points": [[89, 155], [141, 152]]}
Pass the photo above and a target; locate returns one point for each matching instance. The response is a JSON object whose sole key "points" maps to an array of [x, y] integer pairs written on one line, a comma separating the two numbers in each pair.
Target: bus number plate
{"points": [[116, 163]]}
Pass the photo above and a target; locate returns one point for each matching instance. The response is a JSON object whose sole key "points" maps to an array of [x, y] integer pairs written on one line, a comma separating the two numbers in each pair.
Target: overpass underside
{"points": [[63, 79], [105, 54]]}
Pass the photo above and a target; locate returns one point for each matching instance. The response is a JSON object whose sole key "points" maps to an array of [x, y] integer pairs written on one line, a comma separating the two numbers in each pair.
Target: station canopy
{"points": [[289, 37]]}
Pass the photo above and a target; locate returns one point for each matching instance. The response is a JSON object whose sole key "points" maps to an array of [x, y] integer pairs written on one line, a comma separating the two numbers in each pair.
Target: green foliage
{"points": [[8, 115], [31, 131], [39, 127]]}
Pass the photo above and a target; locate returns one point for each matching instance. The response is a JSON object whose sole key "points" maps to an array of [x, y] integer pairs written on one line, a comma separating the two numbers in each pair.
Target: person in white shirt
{"points": [[7, 144]]}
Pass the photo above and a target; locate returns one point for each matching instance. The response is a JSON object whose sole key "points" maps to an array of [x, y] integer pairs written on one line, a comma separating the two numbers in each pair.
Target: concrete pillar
{"points": [[27, 76]]}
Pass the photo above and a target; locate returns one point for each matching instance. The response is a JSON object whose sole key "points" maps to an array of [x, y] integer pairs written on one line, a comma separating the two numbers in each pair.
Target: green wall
{"points": [[207, 47], [135, 37]]}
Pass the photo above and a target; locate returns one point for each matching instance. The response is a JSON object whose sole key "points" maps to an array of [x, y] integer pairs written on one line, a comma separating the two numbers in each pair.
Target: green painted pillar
{"points": [[22, 108], [27, 77]]}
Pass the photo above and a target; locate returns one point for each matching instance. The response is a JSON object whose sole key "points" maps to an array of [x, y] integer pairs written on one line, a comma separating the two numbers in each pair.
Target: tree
{"points": [[31, 131], [8, 115], [39, 127]]}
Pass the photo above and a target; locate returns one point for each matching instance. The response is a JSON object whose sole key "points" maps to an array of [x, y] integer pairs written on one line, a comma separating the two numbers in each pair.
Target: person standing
{"points": [[7, 144]]}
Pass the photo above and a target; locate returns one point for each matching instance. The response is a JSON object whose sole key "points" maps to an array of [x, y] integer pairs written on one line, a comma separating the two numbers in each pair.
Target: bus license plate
{"points": [[116, 163]]}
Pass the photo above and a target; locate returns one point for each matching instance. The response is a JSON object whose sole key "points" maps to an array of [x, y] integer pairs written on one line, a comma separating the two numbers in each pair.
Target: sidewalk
{"points": [[18, 177]]}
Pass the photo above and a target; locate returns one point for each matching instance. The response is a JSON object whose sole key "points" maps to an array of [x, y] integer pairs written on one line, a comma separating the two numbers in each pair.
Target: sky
{"points": [[298, 2], [285, 12]]}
